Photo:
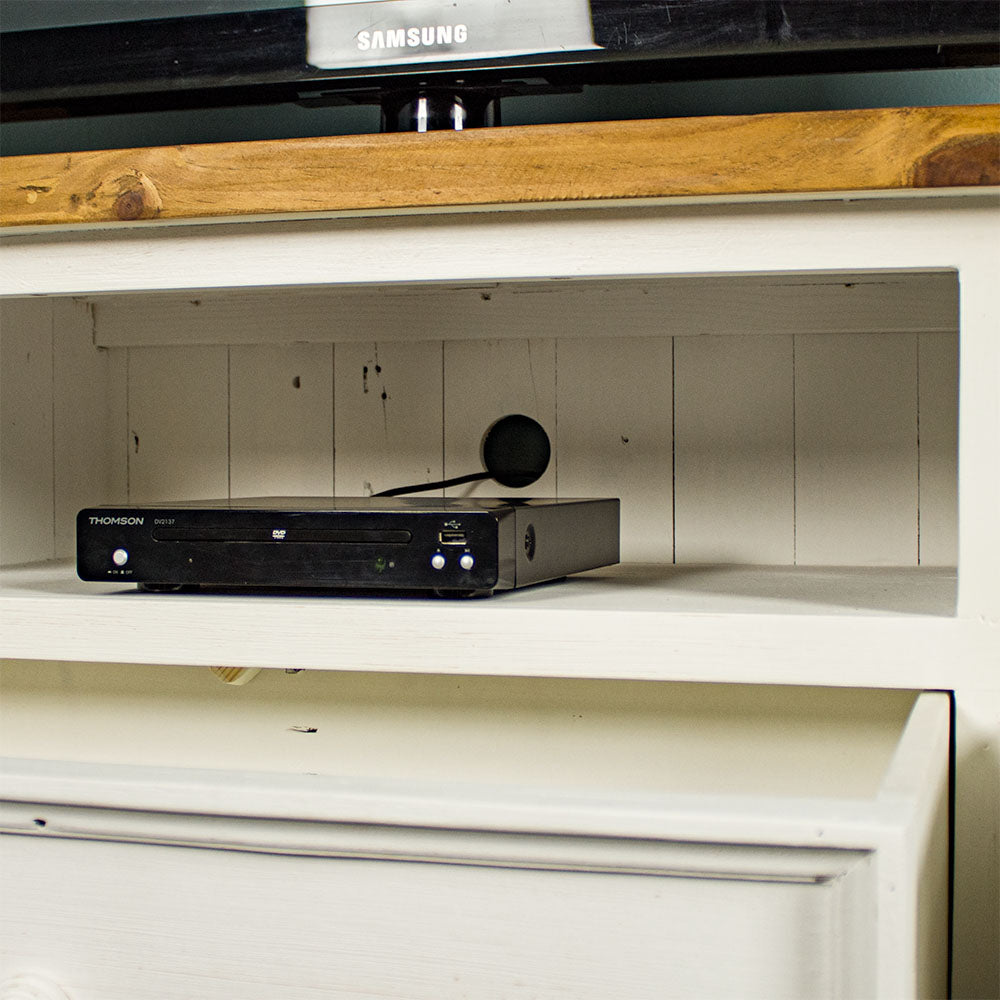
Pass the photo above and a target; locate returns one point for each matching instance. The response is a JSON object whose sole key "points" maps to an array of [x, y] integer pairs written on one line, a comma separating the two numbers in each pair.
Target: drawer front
{"points": [[118, 921], [683, 854]]}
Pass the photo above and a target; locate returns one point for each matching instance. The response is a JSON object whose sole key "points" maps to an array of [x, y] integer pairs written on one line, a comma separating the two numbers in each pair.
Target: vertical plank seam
{"points": [[531, 376], [128, 424], [917, 351], [673, 450], [555, 413], [107, 478], [795, 457], [229, 421], [333, 419], [444, 384], [52, 422]]}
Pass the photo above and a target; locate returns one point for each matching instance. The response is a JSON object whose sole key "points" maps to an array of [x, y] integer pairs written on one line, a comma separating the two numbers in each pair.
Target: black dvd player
{"points": [[451, 545]]}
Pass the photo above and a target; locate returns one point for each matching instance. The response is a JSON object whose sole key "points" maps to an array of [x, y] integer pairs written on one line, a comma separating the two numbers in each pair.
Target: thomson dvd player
{"points": [[459, 546]]}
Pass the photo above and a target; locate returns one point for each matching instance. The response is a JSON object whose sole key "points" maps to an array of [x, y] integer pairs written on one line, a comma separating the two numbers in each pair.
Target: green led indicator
{"points": [[380, 564]]}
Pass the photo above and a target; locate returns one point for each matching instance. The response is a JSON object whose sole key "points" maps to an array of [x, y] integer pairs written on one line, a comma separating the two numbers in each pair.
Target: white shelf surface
{"points": [[867, 627]]}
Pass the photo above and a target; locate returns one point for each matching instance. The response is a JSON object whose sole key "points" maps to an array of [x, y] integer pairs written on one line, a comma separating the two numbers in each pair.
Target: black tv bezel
{"points": [[258, 57]]}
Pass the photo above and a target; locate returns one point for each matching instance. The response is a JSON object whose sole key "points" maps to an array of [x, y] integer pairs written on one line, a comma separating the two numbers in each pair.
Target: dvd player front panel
{"points": [[185, 546]]}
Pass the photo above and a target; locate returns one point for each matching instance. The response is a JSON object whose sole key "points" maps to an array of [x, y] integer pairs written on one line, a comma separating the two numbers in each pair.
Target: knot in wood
{"points": [[130, 205], [962, 162], [135, 196]]}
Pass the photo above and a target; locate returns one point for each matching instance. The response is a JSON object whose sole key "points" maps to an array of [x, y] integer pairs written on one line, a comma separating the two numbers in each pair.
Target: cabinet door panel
{"points": [[137, 922]]}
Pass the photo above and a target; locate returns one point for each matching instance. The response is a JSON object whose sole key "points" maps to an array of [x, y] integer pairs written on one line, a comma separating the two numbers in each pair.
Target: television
{"points": [[462, 57]]}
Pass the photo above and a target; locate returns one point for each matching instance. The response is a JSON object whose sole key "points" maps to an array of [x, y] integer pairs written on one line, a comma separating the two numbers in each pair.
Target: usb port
{"points": [[452, 538]]}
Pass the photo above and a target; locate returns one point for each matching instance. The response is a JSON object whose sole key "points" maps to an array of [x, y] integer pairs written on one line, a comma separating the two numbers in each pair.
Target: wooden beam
{"points": [[796, 153]]}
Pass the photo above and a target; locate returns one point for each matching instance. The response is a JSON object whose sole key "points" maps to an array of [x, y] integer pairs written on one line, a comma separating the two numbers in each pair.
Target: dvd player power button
{"points": [[119, 557]]}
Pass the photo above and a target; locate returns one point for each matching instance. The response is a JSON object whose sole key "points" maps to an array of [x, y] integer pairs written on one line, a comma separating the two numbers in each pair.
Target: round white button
{"points": [[467, 562], [437, 560], [119, 557]]}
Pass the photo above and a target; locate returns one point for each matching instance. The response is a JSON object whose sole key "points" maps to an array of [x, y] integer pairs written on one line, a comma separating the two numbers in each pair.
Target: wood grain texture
{"points": [[790, 153]]}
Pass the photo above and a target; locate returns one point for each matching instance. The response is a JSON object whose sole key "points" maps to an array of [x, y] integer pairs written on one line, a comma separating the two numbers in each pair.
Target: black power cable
{"points": [[439, 485], [515, 451]]}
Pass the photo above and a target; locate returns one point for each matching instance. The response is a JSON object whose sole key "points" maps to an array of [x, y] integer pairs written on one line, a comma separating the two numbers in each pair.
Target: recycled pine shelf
{"points": [[788, 155]]}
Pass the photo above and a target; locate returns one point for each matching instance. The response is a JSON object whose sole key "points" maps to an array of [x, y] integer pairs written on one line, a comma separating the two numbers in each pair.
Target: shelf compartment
{"points": [[799, 418]]}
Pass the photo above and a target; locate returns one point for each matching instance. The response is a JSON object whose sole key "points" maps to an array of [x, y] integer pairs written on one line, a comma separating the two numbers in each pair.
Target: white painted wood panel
{"points": [[596, 738], [798, 625], [117, 441], [979, 434], [26, 434], [614, 434], [178, 439], [762, 304], [135, 922], [590, 241], [85, 452], [486, 380], [976, 936], [856, 491], [734, 450], [920, 871], [938, 416], [281, 420], [389, 404]]}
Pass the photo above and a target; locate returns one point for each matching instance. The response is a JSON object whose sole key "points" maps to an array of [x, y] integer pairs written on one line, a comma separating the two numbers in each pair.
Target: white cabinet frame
{"points": [[43, 615]]}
